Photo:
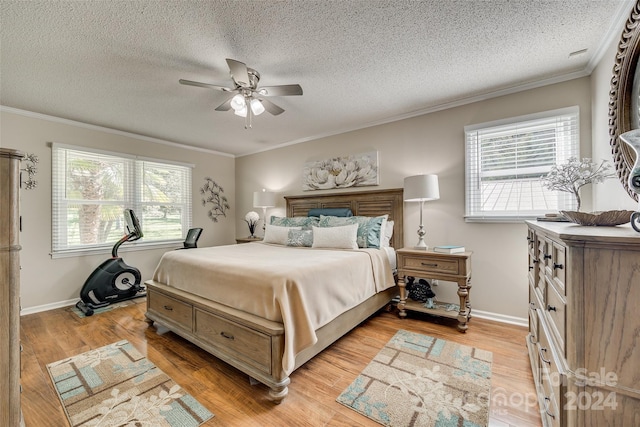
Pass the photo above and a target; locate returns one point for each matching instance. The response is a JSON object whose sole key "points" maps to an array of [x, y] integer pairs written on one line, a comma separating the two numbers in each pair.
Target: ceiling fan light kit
{"points": [[245, 98]]}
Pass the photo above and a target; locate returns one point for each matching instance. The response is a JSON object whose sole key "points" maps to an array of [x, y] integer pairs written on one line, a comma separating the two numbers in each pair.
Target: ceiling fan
{"points": [[246, 98]]}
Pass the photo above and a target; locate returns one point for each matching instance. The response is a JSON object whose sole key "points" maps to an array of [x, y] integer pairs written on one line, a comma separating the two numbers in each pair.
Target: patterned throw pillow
{"points": [[276, 234], [300, 238], [369, 228], [306, 222]]}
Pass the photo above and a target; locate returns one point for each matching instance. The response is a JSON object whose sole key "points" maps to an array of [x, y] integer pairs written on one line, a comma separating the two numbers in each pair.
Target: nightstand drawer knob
{"points": [[428, 264], [168, 308]]}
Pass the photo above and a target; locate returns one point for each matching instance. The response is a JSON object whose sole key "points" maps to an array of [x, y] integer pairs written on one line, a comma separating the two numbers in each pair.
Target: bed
{"points": [[216, 299]]}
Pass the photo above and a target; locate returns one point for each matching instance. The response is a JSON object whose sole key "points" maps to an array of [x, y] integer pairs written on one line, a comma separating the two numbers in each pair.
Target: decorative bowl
{"points": [[606, 218]]}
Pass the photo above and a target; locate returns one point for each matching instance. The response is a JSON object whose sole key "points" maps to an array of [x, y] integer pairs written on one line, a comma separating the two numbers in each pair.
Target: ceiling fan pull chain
{"points": [[247, 123]]}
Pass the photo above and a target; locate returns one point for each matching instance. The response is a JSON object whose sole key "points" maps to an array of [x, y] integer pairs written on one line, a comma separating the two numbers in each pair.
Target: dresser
{"points": [[10, 414], [584, 326]]}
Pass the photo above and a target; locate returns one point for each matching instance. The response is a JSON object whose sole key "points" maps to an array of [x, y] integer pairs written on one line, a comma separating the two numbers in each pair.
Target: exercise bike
{"points": [[113, 281]]}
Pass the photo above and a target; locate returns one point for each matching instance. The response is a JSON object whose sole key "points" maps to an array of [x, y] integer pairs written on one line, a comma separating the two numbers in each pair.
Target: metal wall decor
{"points": [[30, 161], [212, 193]]}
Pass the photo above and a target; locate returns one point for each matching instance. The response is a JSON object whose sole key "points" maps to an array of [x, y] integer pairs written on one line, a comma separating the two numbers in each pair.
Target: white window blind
{"points": [[506, 159], [91, 189]]}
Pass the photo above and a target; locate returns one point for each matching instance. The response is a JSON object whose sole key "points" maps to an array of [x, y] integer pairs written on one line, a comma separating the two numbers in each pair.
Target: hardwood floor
{"points": [[57, 334]]}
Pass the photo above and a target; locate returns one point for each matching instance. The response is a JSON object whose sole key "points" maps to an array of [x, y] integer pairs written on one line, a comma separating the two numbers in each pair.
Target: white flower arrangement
{"points": [[252, 218], [571, 176]]}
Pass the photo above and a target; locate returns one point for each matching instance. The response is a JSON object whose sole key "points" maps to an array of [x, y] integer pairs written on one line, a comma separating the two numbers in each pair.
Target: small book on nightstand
{"points": [[448, 249]]}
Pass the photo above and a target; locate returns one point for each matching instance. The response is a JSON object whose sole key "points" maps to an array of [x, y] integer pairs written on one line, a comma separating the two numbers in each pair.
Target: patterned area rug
{"points": [[417, 380], [117, 386]]}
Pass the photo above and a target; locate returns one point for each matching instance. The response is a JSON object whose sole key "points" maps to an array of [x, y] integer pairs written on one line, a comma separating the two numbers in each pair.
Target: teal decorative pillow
{"points": [[369, 228], [342, 212], [300, 238], [306, 222]]}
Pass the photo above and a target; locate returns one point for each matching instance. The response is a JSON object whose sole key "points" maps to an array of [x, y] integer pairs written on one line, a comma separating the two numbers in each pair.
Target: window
{"points": [[506, 159], [91, 189]]}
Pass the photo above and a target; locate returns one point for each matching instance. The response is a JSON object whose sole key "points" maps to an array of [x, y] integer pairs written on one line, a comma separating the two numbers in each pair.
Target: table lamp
{"points": [[421, 188], [264, 199]]}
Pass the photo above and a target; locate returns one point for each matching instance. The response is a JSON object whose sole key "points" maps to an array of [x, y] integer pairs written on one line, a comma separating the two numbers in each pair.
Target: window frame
{"points": [[473, 192], [132, 197]]}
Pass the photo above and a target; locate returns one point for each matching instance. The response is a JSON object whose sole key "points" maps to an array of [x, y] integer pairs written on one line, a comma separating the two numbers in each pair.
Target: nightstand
{"points": [[248, 239], [434, 265]]}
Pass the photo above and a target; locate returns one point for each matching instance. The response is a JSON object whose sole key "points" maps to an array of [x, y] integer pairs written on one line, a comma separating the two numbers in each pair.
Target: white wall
{"points": [[432, 143], [46, 281]]}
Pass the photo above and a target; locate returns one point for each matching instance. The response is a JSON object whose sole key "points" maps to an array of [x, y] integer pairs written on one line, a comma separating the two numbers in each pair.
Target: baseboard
{"points": [[503, 318], [47, 307]]}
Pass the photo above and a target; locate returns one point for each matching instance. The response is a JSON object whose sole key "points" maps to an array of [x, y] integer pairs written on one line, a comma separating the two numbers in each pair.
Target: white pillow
{"points": [[344, 237], [385, 236], [276, 234]]}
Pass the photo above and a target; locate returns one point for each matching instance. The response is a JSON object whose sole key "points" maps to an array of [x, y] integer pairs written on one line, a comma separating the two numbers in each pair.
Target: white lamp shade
{"points": [[238, 102], [264, 199], [421, 188], [256, 107]]}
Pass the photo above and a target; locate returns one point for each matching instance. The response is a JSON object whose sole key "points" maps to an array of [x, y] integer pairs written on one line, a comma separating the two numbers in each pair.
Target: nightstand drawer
{"points": [[431, 265], [172, 309]]}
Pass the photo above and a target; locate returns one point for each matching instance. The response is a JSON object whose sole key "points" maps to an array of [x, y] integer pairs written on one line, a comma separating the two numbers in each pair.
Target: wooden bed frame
{"points": [[253, 344]]}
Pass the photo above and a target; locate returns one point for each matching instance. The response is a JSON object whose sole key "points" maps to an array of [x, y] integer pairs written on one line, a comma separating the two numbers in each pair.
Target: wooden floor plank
{"points": [[228, 393]]}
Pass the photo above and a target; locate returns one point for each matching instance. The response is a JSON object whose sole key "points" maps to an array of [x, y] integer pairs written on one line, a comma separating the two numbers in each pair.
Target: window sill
{"points": [[130, 247]]}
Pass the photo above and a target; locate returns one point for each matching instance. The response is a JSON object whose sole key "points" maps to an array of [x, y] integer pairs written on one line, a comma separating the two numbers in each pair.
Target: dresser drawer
{"points": [[236, 341], [550, 408], [431, 265], [172, 309], [555, 310]]}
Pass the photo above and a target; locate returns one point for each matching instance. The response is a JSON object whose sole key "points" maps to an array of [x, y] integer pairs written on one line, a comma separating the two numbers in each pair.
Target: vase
{"points": [[632, 139]]}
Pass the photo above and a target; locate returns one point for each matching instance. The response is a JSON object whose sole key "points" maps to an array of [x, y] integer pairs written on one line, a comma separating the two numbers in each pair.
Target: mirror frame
{"points": [[621, 102]]}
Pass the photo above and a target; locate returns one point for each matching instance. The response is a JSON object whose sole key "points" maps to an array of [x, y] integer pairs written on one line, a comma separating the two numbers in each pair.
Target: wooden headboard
{"points": [[363, 203]]}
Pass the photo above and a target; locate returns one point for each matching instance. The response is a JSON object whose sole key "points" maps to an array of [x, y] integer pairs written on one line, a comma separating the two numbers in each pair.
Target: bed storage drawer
{"points": [[171, 309], [239, 342]]}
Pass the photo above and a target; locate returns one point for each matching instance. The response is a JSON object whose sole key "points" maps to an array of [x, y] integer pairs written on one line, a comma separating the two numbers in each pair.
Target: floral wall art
{"points": [[356, 170]]}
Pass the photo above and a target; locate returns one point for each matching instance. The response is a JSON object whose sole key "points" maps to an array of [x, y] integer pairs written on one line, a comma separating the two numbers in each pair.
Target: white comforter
{"points": [[303, 288]]}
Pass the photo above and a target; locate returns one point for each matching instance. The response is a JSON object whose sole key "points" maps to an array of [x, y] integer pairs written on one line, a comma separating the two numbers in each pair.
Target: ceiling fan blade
{"points": [[283, 90], [207, 85], [271, 107], [239, 72], [226, 105]]}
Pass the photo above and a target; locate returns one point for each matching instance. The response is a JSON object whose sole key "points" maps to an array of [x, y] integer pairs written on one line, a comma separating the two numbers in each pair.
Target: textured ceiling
{"points": [[117, 63]]}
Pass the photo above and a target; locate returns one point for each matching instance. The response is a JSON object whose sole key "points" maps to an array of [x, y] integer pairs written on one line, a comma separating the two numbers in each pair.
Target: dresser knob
{"points": [[227, 336], [542, 352], [547, 256], [560, 266], [551, 308], [168, 308], [547, 404]]}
